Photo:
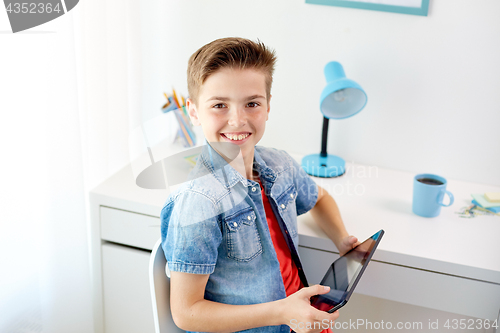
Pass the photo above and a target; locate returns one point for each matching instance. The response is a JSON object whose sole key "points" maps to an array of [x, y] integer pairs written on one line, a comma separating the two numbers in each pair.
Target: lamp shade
{"points": [[341, 98]]}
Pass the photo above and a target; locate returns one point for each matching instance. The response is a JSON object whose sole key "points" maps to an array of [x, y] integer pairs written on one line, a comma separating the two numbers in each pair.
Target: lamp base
{"points": [[324, 167]]}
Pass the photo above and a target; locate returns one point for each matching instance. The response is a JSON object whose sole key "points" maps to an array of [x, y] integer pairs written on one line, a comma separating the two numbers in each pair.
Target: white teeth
{"points": [[236, 137]]}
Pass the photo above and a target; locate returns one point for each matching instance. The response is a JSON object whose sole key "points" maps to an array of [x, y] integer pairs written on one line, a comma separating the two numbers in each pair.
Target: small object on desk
{"points": [[483, 202], [428, 195], [169, 106], [168, 101], [493, 197], [474, 211], [176, 99], [491, 209], [468, 212], [487, 211], [185, 134]]}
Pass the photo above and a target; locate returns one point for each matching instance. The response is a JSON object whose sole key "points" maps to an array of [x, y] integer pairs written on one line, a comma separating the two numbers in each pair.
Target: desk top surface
{"points": [[371, 198]]}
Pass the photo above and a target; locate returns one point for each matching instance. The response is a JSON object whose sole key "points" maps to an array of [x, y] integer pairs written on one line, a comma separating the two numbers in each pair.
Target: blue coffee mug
{"points": [[428, 195]]}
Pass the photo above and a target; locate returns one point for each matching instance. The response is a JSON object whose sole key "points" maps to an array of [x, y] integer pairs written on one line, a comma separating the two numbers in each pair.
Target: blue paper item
{"points": [[491, 209], [483, 202]]}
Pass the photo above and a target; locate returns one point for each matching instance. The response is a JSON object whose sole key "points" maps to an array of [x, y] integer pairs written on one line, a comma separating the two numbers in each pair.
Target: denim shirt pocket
{"points": [[242, 236], [288, 209]]}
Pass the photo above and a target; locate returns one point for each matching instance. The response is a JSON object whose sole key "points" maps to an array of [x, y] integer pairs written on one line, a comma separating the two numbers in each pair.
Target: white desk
{"points": [[446, 263]]}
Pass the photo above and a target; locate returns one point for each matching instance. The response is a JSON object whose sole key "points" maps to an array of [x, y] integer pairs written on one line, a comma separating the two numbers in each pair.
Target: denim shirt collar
{"points": [[227, 175], [219, 168], [266, 174]]}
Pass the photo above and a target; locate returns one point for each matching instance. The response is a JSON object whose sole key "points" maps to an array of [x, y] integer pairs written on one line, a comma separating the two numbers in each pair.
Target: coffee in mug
{"points": [[430, 181], [428, 194]]}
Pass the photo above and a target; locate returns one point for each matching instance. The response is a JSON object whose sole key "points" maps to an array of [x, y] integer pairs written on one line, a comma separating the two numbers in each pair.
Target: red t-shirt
{"points": [[289, 271]]}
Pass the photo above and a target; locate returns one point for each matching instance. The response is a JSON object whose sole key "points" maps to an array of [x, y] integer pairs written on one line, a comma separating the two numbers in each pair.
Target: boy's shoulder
{"points": [[205, 186], [201, 186]]}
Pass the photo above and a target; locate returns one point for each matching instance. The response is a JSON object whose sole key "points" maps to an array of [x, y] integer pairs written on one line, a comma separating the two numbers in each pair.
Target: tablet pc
{"points": [[344, 274]]}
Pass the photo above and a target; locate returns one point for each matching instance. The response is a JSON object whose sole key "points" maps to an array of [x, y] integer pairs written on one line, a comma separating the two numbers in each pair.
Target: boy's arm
{"points": [[327, 215], [191, 312]]}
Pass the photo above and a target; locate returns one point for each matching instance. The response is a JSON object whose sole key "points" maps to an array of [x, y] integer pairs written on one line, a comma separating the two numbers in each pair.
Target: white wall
{"points": [[432, 82]]}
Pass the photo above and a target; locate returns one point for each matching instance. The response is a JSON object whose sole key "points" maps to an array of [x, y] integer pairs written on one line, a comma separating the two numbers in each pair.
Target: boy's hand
{"points": [[347, 244], [327, 215], [300, 315]]}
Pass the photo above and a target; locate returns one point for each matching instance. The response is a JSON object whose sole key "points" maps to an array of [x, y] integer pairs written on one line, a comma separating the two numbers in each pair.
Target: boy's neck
{"points": [[246, 168], [248, 162], [244, 165]]}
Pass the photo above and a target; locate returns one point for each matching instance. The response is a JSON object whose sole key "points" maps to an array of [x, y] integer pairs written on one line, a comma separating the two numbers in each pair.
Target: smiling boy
{"points": [[230, 233]]}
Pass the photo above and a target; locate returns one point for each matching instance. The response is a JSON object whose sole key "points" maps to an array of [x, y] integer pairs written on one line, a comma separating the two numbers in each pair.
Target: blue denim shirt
{"points": [[215, 224]]}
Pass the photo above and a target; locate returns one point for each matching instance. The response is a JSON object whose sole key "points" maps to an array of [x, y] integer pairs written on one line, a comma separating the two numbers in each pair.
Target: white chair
{"points": [[160, 291]]}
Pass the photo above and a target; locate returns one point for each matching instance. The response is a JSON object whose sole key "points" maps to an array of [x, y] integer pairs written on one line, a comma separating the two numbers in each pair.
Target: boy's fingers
{"points": [[353, 240], [334, 315], [322, 315], [316, 290]]}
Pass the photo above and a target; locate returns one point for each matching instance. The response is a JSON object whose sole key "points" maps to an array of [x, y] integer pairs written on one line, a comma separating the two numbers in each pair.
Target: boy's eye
{"points": [[219, 106], [253, 104]]}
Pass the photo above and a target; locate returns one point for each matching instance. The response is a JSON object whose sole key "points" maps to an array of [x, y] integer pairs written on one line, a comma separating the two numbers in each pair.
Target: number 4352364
{"points": [[470, 324], [32, 8]]}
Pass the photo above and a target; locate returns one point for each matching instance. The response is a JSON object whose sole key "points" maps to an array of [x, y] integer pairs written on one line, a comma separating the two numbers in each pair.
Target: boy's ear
{"points": [[268, 107], [193, 113]]}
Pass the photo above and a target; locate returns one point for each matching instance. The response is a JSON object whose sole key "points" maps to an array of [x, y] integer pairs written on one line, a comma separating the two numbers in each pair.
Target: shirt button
{"points": [[235, 224], [249, 217], [254, 189], [283, 206], [291, 196]]}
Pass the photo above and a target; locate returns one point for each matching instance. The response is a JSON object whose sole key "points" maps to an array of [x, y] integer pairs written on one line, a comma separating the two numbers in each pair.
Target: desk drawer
{"points": [[129, 228], [414, 286]]}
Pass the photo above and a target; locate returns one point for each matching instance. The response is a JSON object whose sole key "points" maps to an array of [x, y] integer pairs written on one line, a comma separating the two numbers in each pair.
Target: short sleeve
{"points": [[307, 189], [190, 233]]}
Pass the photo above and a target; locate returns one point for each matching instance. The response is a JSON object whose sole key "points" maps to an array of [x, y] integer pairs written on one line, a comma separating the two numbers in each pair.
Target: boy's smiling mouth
{"points": [[238, 137]]}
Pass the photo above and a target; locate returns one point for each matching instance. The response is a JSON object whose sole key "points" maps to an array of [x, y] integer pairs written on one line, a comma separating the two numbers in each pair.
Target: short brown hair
{"points": [[231, 52]]}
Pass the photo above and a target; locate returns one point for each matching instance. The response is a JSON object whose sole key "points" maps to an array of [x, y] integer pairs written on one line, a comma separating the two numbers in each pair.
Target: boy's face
{"points": [[232, 107]]}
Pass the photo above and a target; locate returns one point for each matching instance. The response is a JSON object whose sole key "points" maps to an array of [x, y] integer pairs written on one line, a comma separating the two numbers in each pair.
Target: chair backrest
{"points": [[160, 291]]}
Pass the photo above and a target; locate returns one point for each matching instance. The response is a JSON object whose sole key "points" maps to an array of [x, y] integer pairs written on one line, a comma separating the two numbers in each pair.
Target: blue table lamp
{"points": [[341, 98]]}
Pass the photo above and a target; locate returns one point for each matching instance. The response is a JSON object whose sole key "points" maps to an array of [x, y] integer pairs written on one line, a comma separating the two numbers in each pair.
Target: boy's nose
{"points": [[237, 118]]}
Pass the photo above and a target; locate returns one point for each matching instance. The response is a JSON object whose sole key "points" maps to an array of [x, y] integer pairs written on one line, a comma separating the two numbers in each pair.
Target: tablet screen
{"points": [[343, 274]]}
